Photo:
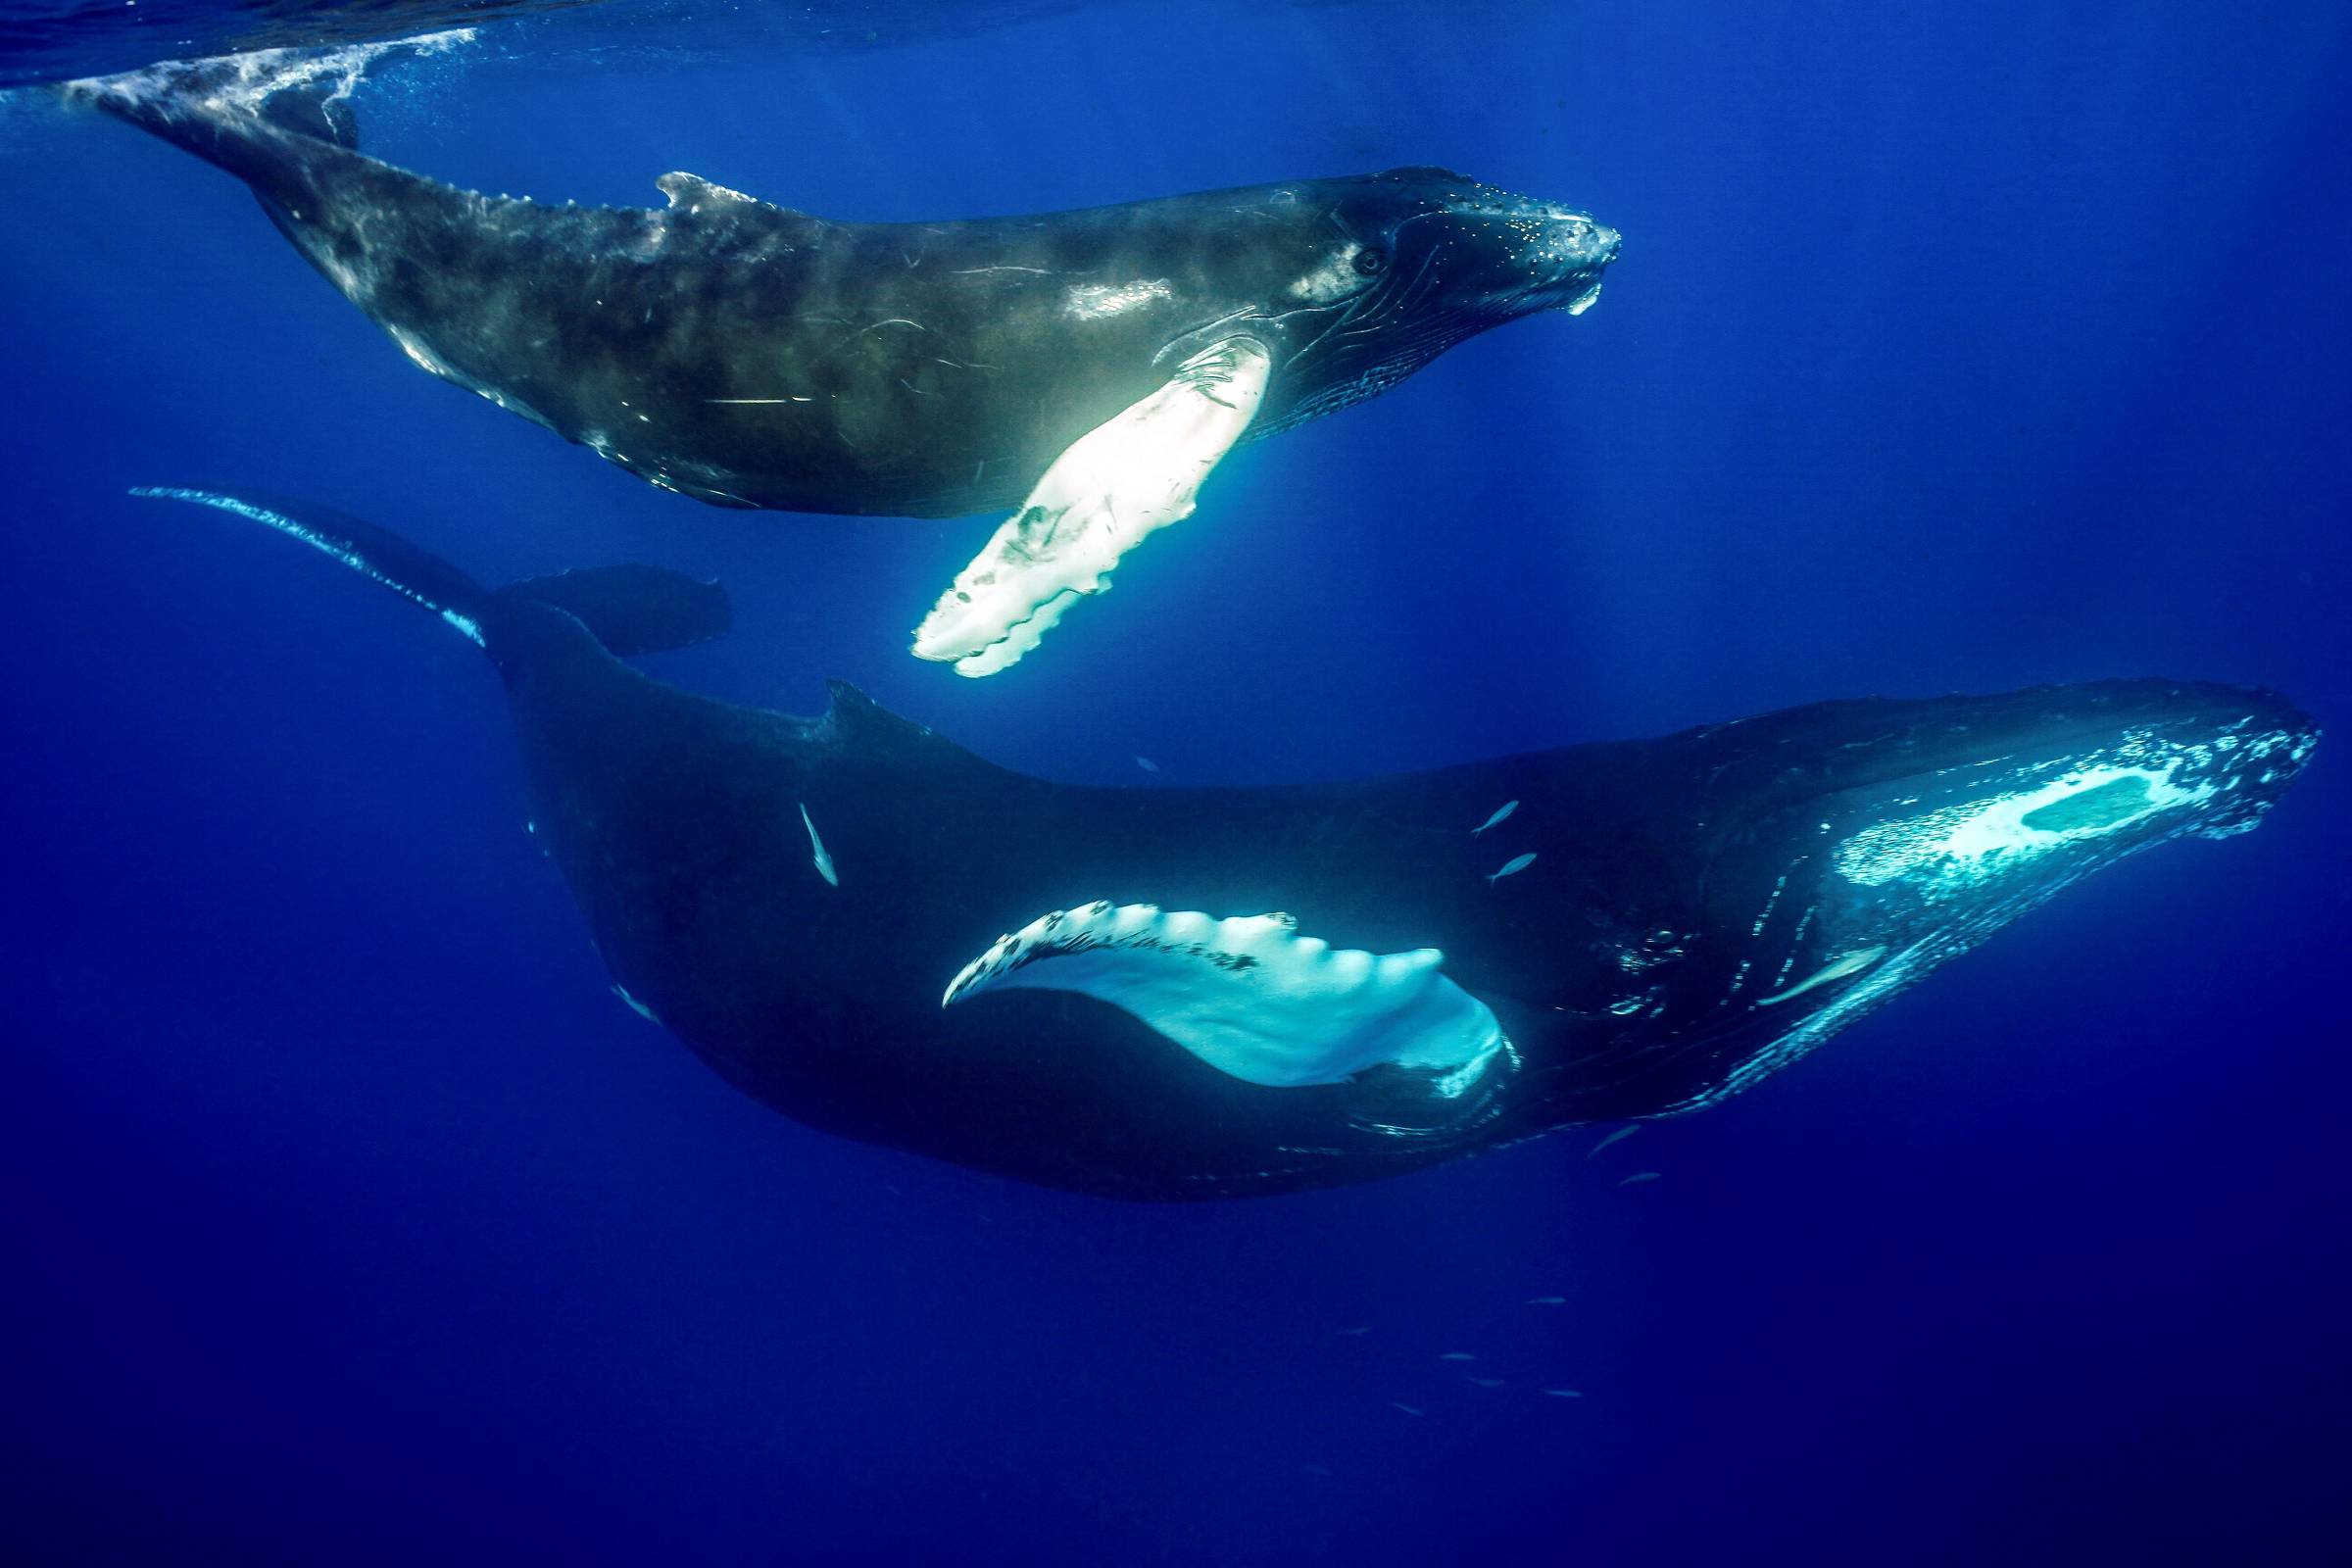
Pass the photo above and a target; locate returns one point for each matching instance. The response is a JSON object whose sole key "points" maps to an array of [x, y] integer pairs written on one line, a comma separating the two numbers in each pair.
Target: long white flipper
{"points": [[1117, 484], [1250, 996]]}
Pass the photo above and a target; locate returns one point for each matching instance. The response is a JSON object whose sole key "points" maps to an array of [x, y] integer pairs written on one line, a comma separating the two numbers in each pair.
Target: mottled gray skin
{"points": [[749, 355]]}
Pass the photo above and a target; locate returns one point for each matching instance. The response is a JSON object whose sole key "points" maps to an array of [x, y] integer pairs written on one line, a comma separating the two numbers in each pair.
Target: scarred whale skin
{"points": [[1702, 909], [747, 354]]}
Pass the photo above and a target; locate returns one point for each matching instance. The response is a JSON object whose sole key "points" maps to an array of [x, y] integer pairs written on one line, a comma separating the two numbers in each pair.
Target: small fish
{"points": [[1565, 1393], [1547, 1301], [1513, 867], [1500, 811], [1483, 1383], [1406, 1408], [817, 851], [1316, 1469], [1147, 764], [1617, 1137], [1639, 1176], [1457, 1355], [1366, 1329]]}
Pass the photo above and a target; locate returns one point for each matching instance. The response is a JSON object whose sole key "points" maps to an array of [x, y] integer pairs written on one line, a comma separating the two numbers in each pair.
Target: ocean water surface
{"points": [[1952, 349]]}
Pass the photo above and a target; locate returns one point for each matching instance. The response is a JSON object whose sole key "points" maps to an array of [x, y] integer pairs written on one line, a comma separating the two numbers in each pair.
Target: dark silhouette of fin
{"points": [[633, 609]]}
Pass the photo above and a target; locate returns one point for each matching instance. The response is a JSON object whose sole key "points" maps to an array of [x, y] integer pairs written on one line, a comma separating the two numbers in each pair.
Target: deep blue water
{"points": [[353, 1220]]}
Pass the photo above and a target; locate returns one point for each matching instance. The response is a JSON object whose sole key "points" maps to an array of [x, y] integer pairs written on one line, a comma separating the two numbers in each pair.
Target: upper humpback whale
{"points": [[1090, 367], [1186, 993]]}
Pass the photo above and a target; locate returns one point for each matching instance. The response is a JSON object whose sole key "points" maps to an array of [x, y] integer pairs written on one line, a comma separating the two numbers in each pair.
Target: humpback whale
{"points": [[1178, 992], [1088, 368]]}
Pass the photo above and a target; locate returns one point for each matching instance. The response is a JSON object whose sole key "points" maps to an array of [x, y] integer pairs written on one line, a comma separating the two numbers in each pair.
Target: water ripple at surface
{"points": [[57, 40]]}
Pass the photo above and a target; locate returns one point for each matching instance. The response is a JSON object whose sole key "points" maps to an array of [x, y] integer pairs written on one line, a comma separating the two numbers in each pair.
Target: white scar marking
{"points": [[1091, 301], [1334, 279], [817, 851], [1836, 969]]}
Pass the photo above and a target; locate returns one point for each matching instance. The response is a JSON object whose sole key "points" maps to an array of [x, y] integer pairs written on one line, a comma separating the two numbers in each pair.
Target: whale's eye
{"points": [[1371, 262]]}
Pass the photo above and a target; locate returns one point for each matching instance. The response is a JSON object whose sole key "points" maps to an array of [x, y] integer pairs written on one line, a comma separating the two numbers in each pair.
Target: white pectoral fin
{"points": [[1120, 482], [1250, 996]]}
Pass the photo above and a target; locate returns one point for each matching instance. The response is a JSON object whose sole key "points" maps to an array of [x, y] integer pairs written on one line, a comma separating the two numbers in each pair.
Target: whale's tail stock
{"points": [[628, 608]]}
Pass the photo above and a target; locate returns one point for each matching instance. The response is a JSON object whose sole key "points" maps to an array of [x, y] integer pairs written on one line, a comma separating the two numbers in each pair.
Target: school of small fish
{"points": [[1612, 1139]]}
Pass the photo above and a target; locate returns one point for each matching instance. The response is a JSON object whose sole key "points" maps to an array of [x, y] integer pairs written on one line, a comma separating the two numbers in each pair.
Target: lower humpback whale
{"points": [[1191, 993], [1091, 366]]}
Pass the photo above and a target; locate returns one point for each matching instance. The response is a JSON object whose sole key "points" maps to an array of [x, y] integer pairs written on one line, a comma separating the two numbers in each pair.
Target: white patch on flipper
{"points": [[1250, 996], [1117, 484]]}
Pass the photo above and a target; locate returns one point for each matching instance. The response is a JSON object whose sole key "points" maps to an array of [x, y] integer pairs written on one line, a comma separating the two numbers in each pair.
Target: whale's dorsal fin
{"points": [[692, 193], [854, 715], [856, 729]]}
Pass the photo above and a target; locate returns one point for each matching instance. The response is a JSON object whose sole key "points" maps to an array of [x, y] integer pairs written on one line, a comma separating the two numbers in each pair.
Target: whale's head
{"points": [[1392, 269], [1849, 849]]}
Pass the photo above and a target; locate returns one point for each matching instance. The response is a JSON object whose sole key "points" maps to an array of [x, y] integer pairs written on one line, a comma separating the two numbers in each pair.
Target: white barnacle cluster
{"points": [[1249, 995]]}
